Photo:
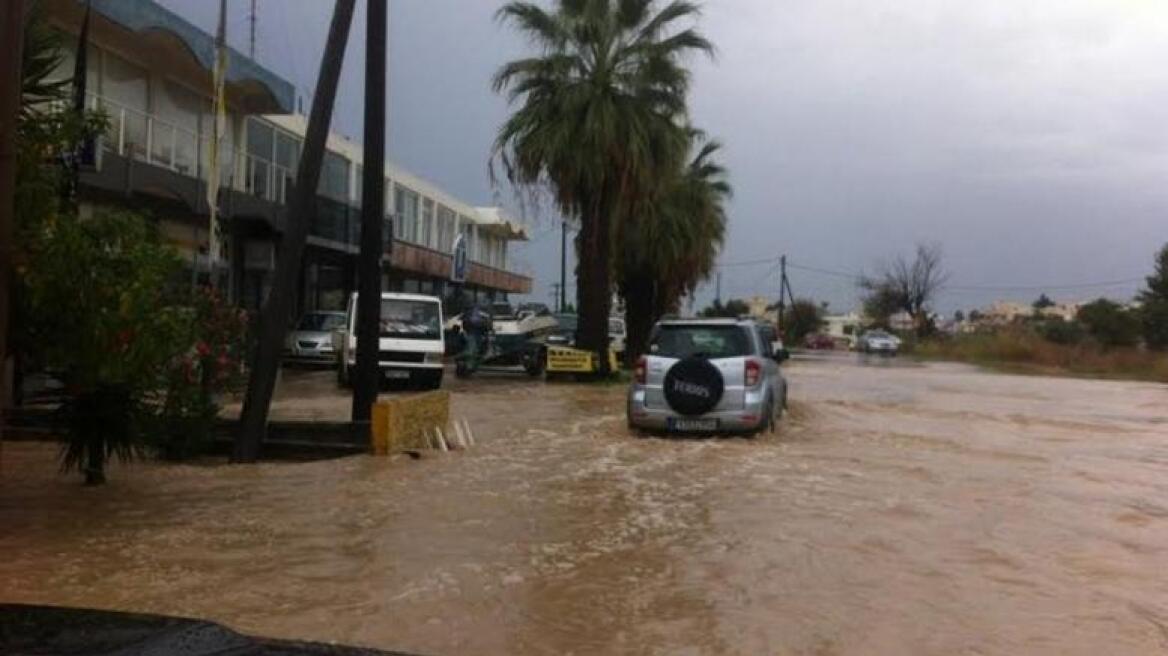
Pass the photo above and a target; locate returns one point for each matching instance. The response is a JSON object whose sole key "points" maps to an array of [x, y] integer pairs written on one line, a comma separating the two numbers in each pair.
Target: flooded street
{"points": [[899, 509]]}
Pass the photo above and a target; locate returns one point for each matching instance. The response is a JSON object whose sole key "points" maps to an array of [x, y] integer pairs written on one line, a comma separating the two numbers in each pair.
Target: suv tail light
{"points": [[639, 371], [753, 373]]}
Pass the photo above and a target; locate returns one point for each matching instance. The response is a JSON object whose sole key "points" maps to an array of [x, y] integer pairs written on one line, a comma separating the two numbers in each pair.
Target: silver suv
{"points": [[708, 376]]}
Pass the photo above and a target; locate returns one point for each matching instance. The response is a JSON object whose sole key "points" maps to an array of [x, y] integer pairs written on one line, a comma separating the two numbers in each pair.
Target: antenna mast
{"points": [[251, 47]]}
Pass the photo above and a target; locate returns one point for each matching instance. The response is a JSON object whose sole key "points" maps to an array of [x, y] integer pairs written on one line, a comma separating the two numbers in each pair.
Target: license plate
{"points": [[694, 425], [397, 374]]}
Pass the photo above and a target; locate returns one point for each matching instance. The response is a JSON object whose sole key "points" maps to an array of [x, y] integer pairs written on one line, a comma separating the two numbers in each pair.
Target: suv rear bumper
{"points": [[747, 419]]}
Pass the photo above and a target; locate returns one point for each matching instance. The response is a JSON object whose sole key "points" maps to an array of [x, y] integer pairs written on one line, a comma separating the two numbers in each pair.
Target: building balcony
{"points": [[184, 154]]}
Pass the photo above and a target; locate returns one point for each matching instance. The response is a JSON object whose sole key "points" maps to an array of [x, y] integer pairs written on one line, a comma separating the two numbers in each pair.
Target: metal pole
{"points": [[782, 286], [251, 45], [277, 310], [365, 379], [563, 264], [12, 38]]}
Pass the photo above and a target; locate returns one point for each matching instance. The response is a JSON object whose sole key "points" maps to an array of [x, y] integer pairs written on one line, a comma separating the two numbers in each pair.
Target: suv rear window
{"points": [[682, 341]]}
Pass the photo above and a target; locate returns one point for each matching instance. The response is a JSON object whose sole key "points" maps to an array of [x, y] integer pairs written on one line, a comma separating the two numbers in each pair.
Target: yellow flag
{"points": [[219, 128]]}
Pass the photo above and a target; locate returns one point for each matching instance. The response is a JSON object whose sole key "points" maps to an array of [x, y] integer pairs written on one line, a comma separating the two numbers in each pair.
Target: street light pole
{"points": [[563, 264], [365, 379]]}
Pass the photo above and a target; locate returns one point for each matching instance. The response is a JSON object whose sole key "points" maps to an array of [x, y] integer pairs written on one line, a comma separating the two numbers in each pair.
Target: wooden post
{"points": [[277, 309], [366, 378]]}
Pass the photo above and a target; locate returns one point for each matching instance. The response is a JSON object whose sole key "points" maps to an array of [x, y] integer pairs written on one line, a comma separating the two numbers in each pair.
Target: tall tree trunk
{"points": [[594, 286], [641, 305], [367, 377]]}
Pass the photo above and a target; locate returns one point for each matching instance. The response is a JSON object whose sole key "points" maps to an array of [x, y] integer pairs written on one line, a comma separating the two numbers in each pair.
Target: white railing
{"points": [[150, 139]]}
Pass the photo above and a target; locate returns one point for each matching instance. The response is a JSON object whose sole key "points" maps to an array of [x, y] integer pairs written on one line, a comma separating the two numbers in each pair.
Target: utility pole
{"points": [[11, 57], [365, 379], [556, 300], [277, 309], [782, 286], [563, 298], [718, 290]]}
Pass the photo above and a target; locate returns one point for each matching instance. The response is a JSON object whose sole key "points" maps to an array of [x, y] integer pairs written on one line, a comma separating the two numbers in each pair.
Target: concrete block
{"points": [[406, 423]]}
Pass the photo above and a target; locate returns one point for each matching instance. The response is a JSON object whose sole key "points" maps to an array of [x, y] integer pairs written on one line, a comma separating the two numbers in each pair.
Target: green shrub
{"points": [[138, 356], [1109, 323], [1154, 314], [1154, 317], [1062, 332], [1020, 349], [210, 364]]}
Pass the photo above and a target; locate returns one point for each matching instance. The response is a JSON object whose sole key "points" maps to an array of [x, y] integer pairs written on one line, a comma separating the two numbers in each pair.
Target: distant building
{"points": [[761, 307], [1001, 313], [901, 322], [1064, 311], [843, 327]]}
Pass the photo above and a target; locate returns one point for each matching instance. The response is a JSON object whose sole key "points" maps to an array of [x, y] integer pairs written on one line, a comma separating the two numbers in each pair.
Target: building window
{"points": [[427, 232], [175, 141], [468, 235], [128, 86], [261, 144], [446, 219], [406, 211], [334, 177], [287, 161]]}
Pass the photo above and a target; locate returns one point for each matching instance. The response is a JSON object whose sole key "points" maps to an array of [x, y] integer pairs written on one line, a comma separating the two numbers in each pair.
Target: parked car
{"points": [[820, 342], [878, 341], [411, 342], [311, 340], [708, 376]]}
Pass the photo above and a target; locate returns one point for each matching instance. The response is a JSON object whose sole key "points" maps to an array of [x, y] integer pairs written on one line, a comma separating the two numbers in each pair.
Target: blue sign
{"points": [[458, 263]]}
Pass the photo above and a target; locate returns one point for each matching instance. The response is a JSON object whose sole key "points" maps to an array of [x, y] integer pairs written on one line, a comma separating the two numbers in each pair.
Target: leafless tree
{"points": [[906, 285]]}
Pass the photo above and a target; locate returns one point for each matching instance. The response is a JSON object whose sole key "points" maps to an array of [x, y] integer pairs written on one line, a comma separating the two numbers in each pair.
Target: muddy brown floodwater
{"points": [[900, 509]]}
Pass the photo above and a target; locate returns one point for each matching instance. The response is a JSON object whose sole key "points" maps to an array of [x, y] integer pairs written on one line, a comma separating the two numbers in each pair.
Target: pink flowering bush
{"points": [[208, 368]]}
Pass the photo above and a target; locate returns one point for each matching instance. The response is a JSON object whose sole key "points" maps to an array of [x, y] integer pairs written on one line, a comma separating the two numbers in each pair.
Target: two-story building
{"points": [[150, 71]]}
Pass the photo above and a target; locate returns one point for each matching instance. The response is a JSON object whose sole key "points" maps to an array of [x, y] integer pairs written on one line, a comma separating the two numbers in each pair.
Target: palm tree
{"points": [[666, 253], [598, 116]]}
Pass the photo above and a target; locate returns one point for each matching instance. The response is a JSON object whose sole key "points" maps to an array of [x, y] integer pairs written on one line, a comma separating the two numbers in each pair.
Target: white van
{"points": [[411, 344]]}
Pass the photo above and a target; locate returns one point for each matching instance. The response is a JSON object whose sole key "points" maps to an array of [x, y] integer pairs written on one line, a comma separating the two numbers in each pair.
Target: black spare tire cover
{"points": [[693, 386]]}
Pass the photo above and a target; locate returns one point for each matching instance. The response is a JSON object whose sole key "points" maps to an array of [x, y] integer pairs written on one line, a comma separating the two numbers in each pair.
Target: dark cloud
{"points": [[1028, 138]]}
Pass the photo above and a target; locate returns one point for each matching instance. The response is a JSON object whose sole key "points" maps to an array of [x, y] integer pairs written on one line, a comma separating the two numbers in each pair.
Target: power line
{"points": [[745, 263], [981, 288]]}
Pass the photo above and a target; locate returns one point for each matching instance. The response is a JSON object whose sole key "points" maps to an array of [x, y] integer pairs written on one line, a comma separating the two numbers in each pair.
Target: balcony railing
{"points": [[148, 138], [145, 137]]}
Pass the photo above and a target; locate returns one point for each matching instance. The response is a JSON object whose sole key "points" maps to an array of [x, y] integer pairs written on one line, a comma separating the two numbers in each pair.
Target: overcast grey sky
{"points": [[1028, 137]]}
